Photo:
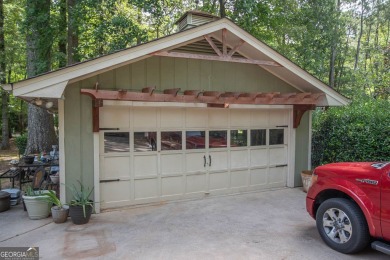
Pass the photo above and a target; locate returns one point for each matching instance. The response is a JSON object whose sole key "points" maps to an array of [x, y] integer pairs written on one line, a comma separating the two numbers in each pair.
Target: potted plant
{"points": [[37, 203], [59, 211], [80, 207], [306, 179], [55, 178]]}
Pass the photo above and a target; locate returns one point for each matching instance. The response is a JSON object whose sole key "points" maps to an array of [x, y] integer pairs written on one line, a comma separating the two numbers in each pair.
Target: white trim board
{"points": [[96, 172], [310, 139], [291, 151], [61, 145]]}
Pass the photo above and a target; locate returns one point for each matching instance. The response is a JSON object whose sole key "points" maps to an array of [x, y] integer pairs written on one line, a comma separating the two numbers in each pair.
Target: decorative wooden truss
{"points": [[300, 101], [227, 54]]}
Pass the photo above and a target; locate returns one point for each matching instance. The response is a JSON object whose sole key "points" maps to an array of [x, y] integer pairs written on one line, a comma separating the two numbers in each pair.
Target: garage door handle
{"points": [[281, 165], [204, 160], [210, 160], [112, 180]]}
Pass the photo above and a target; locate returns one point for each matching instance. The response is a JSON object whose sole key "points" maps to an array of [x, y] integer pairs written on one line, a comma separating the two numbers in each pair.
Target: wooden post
{"points": [[96, 104]]}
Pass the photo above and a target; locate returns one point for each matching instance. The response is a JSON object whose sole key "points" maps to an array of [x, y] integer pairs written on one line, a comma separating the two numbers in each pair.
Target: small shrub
{"points": [[21, 143]]}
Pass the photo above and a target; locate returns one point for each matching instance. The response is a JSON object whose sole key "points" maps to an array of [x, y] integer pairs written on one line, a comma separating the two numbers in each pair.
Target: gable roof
{"points": [[51, 85]]}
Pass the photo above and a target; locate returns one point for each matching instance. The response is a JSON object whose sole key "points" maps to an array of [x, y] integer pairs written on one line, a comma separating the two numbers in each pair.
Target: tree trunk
{"points": [[5, 133], [73, 40], [341, 64], [367, 56], [377, 24], [41, 134], [39, 37], [62, 34], [388, 32], [222, 10], [332, 66], [2, 44], [360, 37], [4, 94], [335, 39]]}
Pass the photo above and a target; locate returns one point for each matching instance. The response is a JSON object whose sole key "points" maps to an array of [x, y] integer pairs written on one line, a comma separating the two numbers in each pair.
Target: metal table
{"points": [[22, 171], [37, 164], [12, 174]]}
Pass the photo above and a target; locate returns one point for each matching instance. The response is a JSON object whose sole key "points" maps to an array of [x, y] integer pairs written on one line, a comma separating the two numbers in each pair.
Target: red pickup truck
{"points": [[351, 205]]}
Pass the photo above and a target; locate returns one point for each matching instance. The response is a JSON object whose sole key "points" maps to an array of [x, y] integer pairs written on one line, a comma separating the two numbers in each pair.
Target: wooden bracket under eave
{"points": [[298, 112], [96, 104]]}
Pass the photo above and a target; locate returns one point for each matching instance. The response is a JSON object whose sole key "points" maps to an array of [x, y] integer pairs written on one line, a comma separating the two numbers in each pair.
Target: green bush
{"points": [[21, 143], [357, 132]]}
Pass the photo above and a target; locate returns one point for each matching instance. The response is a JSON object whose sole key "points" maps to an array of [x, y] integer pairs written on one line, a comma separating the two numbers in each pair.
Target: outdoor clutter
{"points": [[38, 190], [41, 203]]}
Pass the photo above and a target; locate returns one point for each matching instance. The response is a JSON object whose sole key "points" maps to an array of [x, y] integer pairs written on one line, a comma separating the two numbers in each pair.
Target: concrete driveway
{"points": [[263, 225]]}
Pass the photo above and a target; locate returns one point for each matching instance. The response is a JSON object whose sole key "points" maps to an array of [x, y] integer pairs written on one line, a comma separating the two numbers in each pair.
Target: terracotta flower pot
{"points": [[60, 215], [306, 180]]}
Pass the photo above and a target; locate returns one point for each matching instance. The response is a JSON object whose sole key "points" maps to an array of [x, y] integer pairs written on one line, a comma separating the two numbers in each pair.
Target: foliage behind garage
{"points": [[357, 132]]}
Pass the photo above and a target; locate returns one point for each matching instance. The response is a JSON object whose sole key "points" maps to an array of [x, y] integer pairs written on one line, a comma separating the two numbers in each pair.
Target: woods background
{"points": [[345, 43]]}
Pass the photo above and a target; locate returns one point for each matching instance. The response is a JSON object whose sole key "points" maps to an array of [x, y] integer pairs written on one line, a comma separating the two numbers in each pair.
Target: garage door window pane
{"points": [[116, 142], [238, 138], [258, 137], [217, 139], [145, 141], [171, 140], [195, 139], [276, 136]]}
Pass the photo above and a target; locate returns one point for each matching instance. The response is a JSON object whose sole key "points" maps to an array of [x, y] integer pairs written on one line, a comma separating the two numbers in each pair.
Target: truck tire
{"points": [[342, 225]]}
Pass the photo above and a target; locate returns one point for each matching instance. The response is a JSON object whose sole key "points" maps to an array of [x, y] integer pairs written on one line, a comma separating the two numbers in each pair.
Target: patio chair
{"points": [[39, 178], [24, 178]]}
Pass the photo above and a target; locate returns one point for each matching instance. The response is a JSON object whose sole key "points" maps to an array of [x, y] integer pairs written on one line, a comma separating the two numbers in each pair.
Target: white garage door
{"points": [[159, 154]]}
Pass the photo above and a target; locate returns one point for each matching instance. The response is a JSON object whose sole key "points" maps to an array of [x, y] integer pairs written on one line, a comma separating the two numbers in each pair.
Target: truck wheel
{"points": [[342, 225]]}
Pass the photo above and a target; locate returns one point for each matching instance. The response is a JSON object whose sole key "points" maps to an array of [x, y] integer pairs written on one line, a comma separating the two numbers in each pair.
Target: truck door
{"points": [[385, 203]]}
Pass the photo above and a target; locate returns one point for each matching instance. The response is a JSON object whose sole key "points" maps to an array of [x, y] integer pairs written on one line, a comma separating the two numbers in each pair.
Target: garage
{"points": [[209, 110], [156, 154]]}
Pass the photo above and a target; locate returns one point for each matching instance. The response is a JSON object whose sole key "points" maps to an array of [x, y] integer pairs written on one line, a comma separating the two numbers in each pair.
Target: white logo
{"points": [[368, 181]]}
